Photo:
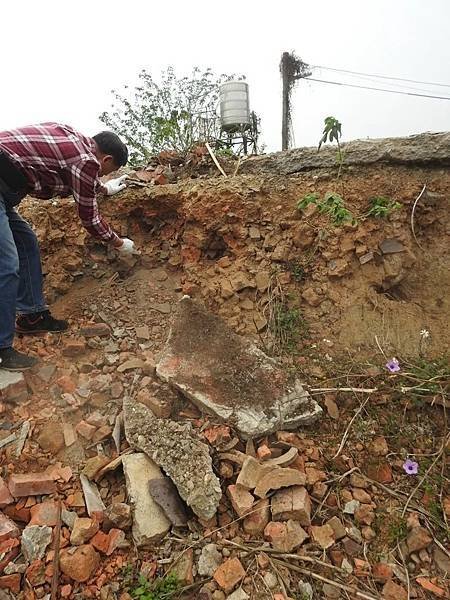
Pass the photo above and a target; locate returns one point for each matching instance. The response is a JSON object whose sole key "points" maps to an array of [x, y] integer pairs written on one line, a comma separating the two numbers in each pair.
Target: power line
{"points": [[365, 87], [380, 76]]}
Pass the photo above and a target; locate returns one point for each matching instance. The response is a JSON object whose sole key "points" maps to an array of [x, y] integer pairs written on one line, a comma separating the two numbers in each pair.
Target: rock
{"points": [[351, 507], [239, 594], [206, 361], [418, 538], [330, 592], [256, 521], [364, 515], [8, 529], [337, 527], [391, 246], [165, 494], [183, 567], [96, 329], [44, 513], [442, 560], [262, 280], [35, 573], [130, 365], [382, 572], [378, 446], [83, 530], [94, 465], [279, 478], [310, 296], [34, 542], [177, 449], [229, 574], [380, 471], [119, 515], [94, 503], [79, 563], [285, 536], [305, 590], [150, 524], [323, 535], [13, 387], [361, 496], [271, 580], [209, 560], [358, 481], [263, 452], [5, 494], [51, 438], [10, 582], [74, 348], [241, 500], [160, 407], [392, 591], [70, 437], [142, 333], [31, 484], [86, 430]]}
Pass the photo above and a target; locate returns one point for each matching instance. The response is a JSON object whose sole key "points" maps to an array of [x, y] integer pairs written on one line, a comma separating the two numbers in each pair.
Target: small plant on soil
{"points": [[380, 206], [333, 131], [331, 204], [163, 588]]}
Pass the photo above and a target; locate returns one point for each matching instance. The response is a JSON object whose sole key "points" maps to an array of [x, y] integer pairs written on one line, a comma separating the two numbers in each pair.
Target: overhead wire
{"points": [[364, 87], [380, 76]]}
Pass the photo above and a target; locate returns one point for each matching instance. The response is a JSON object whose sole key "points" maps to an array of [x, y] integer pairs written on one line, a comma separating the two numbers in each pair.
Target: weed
{"points": [[331, 204], [380, 206], [298, 270], [333, 131], [397, 529], [288, 325], [163, 588]]}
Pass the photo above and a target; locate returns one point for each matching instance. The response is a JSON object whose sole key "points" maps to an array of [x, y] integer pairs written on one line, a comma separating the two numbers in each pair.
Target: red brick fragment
{"points": [[31, 484]]}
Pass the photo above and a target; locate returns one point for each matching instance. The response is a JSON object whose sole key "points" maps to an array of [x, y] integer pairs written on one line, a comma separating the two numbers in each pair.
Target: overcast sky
{"points": [[60, 60]]}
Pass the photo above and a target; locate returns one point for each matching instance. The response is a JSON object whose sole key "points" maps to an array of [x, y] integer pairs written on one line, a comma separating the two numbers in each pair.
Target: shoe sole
{"points": [[17, 369], [39, 331]]}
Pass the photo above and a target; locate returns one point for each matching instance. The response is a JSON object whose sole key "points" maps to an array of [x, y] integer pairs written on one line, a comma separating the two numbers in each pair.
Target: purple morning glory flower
{"points": [[410, 467], [393, 365]]}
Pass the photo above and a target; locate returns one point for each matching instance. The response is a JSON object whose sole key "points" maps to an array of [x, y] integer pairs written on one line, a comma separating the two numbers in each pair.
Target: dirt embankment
{"points": [[241, 245]]}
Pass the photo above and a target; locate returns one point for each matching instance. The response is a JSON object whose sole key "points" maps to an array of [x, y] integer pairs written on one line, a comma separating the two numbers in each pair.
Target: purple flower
{"points": [[393, 365], [410, 467]]}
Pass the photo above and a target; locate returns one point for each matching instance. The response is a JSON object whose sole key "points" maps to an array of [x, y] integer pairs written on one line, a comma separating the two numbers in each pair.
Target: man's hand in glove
{"points": [[127, 248], [115, 185]]}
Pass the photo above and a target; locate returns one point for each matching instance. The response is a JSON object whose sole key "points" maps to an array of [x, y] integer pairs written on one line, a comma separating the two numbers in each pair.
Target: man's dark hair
{"points": [[110, 143]]}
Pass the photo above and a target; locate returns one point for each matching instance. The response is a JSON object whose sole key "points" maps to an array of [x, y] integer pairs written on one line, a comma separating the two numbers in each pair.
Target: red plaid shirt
{"points": [[59, 161]]}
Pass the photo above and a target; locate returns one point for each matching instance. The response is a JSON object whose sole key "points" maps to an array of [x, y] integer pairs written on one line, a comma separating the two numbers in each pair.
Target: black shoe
{"points": [[40, 322], [11, 360]]}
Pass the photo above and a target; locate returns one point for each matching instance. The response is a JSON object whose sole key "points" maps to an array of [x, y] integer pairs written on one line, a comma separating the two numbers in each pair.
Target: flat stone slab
{"points": [[226, 375], [13, 387]]}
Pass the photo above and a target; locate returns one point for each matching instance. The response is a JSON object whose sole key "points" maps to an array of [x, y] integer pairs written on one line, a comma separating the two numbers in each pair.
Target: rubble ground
{"points": [[99, 454]]}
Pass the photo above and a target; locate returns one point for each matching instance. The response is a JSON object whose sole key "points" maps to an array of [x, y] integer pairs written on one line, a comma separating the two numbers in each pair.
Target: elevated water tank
{"points": [[234, 105]]}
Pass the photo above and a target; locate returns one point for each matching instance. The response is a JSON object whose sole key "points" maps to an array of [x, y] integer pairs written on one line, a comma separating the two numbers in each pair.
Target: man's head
{"points": [[111, 152]]}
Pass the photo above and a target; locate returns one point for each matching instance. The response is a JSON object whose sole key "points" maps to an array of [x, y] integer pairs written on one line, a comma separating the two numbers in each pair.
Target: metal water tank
{"points": [[234, 105]]}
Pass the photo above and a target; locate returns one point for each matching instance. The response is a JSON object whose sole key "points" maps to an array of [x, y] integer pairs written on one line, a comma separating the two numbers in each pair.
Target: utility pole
{"points": [[292, 68], [285, 102]]}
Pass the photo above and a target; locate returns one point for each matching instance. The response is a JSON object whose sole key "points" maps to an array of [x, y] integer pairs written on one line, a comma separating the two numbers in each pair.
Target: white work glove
{"points": [[115, 185], [127, 248]]}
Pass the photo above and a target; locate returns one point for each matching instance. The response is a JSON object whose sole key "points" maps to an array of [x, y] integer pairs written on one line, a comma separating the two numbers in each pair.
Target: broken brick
{"points": [[380, 472], [45, 513], [285, 535], [107, 543], [31, 484], [5, 494], [83, 530], [382, 572], [418, 538], [229, 574], [85, 430], [255, 522], [74, 348], [94, 329], [241, 499], [392, 591], [8, 529], [79, 564], [11, 582], [323, 535], [264, 452], [279, 478], [35, 573], [292, 503]]}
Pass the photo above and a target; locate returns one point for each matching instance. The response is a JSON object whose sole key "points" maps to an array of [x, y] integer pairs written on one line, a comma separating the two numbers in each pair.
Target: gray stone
{"points": [[228, 376], [306, 591], [165, 494], [92, 498], [209, 560], [12, 386], [422, 149], [34, 542], [175, 447], [239, 594], [351, 507], [150, 524], [391, 246]]}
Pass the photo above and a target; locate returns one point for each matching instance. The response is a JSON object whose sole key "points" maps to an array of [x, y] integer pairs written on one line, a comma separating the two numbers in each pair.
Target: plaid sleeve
{"points": [[84, 178]]}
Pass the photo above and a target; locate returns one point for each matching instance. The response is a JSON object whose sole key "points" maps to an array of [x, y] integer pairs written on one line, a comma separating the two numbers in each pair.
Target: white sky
{"points": [[59, 60]]}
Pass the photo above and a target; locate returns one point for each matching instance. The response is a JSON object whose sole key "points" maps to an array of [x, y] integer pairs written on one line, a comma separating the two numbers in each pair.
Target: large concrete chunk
{"points": [[150, 524], [13, 387], [228, 376], [177, 450]]}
